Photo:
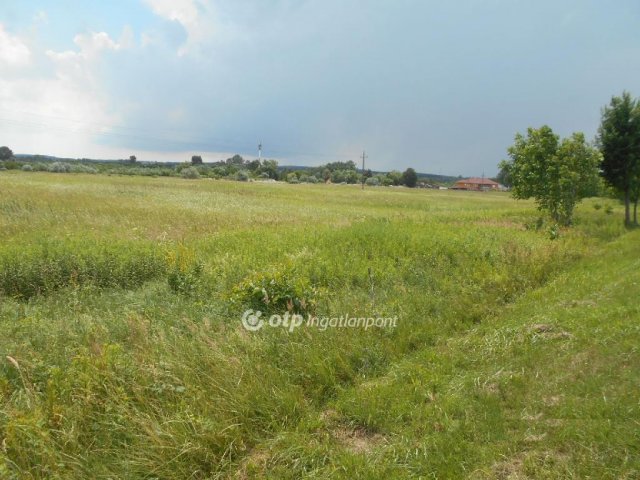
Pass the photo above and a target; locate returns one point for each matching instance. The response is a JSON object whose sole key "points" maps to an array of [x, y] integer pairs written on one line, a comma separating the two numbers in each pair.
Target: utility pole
{"points": [[363, 157]]}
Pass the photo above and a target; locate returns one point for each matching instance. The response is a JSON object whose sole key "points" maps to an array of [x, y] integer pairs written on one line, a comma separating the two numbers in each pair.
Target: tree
{"points": [[619, 142], [395, 177], [253, 165], [132, 158], [409, 178], [270, 167], [196, 160], [557, 174], [235, 160], [504, 175], [5, 153]]}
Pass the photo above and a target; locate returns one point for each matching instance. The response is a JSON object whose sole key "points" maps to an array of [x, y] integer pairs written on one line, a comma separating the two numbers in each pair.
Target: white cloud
{"points": [[91, 45], [65, 106], [13, 52], [195, 16]]}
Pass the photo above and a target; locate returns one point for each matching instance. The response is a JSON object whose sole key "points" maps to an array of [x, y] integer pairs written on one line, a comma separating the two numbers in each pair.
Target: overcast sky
{"points": [[440, 86]]}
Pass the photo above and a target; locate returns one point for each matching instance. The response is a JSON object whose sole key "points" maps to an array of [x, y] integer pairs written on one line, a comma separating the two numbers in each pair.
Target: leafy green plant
{"points": [[184, 270], [278, 290]]}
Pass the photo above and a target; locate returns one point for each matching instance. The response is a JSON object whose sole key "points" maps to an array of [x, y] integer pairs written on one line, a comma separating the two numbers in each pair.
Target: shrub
{"points": [[190, 172], [80, 168], [40, 167], [184, 271], [292, 178], [242, 176], [279, 290], [59, 167], [27, 168], [11, 165], [373, 181]]}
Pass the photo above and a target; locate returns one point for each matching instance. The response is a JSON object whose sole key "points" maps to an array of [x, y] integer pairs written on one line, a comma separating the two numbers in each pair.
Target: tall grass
{"points": [[44, 267], [122, 353]]}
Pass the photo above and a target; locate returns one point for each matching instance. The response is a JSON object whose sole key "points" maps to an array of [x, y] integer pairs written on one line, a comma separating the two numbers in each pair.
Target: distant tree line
{"points": [[233, 168], [347, 173]]}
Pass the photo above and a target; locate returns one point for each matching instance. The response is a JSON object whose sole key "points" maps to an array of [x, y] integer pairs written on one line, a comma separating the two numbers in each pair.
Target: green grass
{"points": [[123, 354]]}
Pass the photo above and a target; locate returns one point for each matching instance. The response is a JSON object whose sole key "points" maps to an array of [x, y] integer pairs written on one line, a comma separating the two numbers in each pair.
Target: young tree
{"points": [[557, 174], [619, 142], [409, 177]]}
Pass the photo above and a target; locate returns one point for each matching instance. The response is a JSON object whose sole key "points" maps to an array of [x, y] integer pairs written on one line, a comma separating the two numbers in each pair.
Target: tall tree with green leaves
{"points": [[409, 177], [556, 173], [619, 142], [5, 153]]}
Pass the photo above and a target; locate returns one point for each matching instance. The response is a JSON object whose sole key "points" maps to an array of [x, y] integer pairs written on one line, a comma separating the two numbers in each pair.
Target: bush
{"points": [[11, 165], [373, 181], [190, 172], [184, 271], [27, 168], [277, 291], [80, 168], [292, 178], [40, 167], [242, 176], [59, 167]]}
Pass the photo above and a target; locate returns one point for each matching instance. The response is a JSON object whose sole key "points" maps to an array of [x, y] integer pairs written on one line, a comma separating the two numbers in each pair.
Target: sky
{"points": [[439, 86]]}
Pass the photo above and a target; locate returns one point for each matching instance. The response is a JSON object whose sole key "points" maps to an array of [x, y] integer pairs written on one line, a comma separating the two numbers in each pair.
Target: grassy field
{"points": [[123, 355]]}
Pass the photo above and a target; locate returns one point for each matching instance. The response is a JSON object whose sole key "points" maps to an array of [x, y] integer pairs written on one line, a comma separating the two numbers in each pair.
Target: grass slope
{"points": [[123, 355]]}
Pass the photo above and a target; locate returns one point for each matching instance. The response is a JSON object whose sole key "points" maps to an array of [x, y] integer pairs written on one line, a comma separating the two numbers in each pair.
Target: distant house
{"points": [[475, 183]]}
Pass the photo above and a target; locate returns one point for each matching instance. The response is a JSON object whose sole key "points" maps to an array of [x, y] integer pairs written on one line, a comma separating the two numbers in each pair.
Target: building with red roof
{"points": [[475, 183]]}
